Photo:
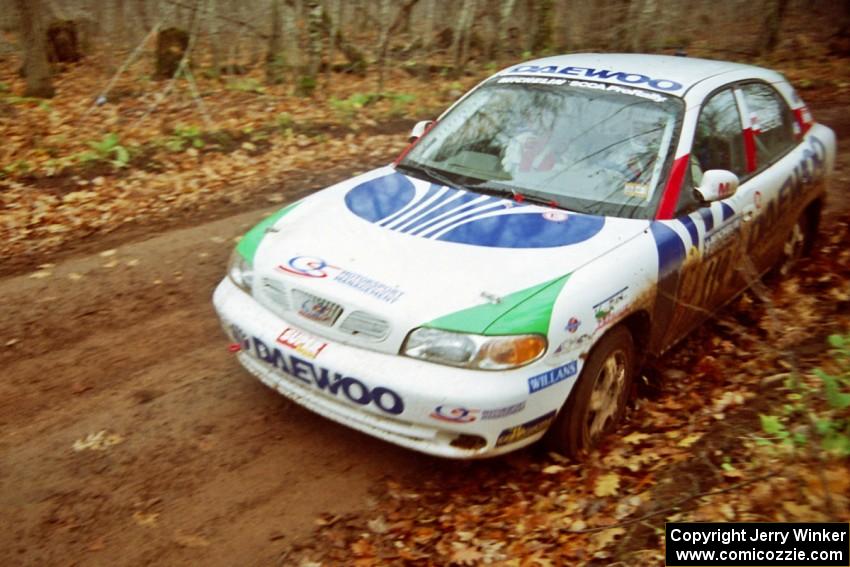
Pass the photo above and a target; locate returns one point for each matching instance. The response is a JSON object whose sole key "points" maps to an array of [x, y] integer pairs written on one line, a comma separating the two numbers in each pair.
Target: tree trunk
{"points": [[642, 33], [542, 38], [307, 81], [384, 42], [774, 11], [214, 35], [274, 56], [505, 12], [171, 44], [62, 41], [428, 34], [36, 66], [462, 29]]}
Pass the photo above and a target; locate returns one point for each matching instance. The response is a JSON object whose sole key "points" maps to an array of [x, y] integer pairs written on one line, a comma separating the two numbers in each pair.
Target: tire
{"points": [[586, 418]]}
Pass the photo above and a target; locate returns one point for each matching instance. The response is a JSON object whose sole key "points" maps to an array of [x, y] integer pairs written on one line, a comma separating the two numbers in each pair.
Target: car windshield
{"points": [[586, 147]]}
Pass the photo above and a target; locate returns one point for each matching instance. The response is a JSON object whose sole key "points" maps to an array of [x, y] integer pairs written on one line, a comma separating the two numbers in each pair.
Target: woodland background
{"points": [[117, 112]]}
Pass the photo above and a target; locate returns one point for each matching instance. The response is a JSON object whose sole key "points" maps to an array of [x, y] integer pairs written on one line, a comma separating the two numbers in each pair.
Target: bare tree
{"points": [[462, 31], [307, 80], [274, 55], [36, 66], [383, 43], [505, 11], [774, 11]]}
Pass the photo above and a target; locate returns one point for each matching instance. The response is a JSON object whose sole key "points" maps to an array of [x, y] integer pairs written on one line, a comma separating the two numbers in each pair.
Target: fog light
{"points": [[464, 441]]}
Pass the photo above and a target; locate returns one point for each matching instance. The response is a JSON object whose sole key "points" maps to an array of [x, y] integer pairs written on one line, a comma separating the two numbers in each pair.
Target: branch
{"points": [[241, 23]]}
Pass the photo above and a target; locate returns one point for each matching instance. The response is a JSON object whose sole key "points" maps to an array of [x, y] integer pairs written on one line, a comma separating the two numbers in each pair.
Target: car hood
{"points": [[412, 253]]}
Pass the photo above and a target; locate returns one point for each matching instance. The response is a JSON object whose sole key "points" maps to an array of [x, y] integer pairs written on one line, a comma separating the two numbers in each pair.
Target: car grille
{"points": [[365, 325], [276, 296]]}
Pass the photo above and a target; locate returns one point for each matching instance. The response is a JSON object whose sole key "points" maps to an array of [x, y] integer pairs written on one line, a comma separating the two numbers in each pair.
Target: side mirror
{"points": [[419, 129], [717, 184]]}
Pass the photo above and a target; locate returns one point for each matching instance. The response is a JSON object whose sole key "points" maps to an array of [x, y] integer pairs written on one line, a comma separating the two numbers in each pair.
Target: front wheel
{"points": [[598, 401]]}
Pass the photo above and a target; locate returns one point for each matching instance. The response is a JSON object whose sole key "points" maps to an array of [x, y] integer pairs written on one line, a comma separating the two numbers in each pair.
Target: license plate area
{"points": [[315, 308]]}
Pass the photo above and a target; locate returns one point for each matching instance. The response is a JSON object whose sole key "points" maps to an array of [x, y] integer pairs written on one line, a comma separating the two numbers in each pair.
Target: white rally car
{"points": [[563, 221]]}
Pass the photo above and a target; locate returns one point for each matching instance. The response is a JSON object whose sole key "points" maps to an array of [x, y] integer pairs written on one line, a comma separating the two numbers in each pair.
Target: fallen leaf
{"points": [[603, 538], [553, 469], [190, 540], [635, 437], [99, 441], [378, 525], [465, 555], [41, 274], [363, 548], [111, 264], [108, 253], [12, 342], [146, 519], [74, 276], [133, 262], [607, 485], [689, 440]]}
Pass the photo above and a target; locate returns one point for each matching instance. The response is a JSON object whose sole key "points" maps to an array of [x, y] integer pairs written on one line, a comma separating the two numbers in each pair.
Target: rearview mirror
{"points": [[419, 129], [717, 184]]}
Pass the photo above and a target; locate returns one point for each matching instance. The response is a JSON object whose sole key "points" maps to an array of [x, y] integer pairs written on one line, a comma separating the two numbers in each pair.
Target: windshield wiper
{"points": [[516, 195], [431, 174]]}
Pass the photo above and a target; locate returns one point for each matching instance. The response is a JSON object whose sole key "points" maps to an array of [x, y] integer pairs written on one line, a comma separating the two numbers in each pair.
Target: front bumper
{"points": [[434, 409]]}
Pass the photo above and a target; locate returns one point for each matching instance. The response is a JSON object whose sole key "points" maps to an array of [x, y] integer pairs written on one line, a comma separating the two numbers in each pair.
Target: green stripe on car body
{"points": [[522, 312], [249, 243]]}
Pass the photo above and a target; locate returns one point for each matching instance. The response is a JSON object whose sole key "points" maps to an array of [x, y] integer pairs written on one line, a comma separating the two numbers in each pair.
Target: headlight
{"points": [[240, 272], [474, 351]]}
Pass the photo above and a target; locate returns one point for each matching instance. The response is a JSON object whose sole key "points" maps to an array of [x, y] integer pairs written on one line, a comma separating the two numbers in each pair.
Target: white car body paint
{"points": [[405, 272]]}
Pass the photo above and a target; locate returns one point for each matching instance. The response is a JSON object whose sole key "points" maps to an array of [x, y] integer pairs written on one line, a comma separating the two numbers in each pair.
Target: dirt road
{"points": [[199, 462], [130, 436]]}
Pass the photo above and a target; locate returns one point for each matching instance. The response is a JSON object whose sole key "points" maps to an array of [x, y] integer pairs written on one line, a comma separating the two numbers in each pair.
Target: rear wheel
{"points": [[598, 401]]}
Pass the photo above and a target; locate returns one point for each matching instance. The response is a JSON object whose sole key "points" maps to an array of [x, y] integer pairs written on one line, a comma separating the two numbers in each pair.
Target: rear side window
{"points": [[771, 121], [719, 141]]}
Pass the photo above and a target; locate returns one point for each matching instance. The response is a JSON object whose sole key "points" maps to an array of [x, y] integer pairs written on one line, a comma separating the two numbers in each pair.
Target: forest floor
{"points": [[131, 436]]}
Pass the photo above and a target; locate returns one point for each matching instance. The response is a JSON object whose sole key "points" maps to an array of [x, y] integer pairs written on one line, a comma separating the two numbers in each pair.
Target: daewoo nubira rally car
{"points": [[506, 277]]}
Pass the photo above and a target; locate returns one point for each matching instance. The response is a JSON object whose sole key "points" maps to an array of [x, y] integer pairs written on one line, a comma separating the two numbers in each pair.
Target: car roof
{"points": [[664, 73]]}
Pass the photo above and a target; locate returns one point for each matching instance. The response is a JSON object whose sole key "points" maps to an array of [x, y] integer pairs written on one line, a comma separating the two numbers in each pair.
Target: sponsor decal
{"points": [[638, 190], [574, 343], [555, 216], [622, 90], [307, 267], [721, 236], [551, 377], [334, 383], [455, 414], [424, 210], [502, 412], [317, 309], [313, 267], [466, 415], [757, 199], [525, 430], [531, 81], [573, 324], [606, 310], [301, 342], [601, 74]]}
